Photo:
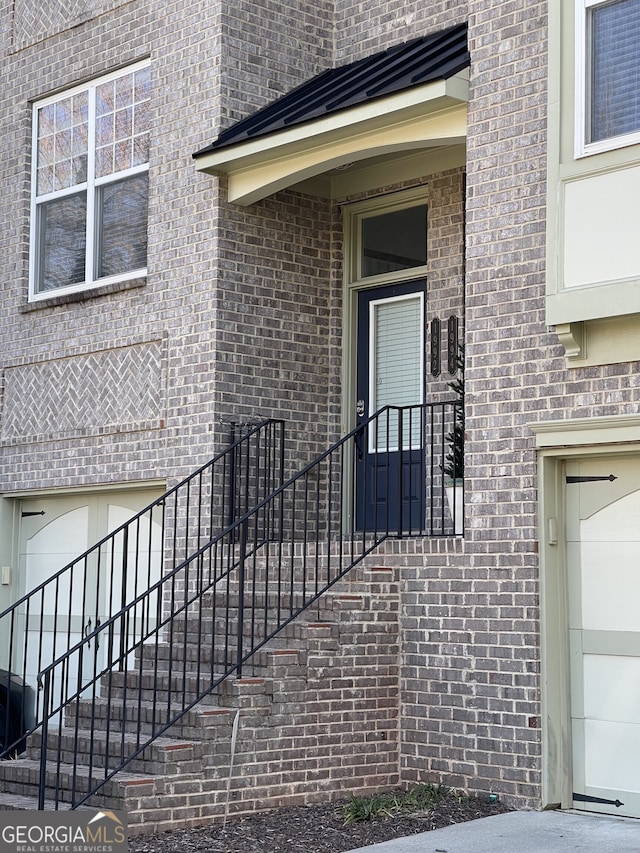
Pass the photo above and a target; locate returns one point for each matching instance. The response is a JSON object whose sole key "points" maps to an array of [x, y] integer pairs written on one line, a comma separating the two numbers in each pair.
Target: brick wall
{"points": [[472, 711], [273, 316], [205, 67], [365, 26], [269, 48]]}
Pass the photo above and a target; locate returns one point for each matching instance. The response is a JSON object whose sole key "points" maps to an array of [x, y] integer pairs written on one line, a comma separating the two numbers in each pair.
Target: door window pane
{"points": [[397, 367], [615, 69], [394, 241]]}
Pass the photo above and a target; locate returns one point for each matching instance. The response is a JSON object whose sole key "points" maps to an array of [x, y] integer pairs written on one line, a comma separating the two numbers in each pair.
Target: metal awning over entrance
{"points": [[408, 98]]}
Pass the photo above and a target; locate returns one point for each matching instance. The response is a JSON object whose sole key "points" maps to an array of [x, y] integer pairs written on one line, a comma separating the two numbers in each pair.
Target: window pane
{"points": [[122, 110], [397, 365], [62, 144], [615, 69], [122, 209], [394, 241], [61, 242], [142, 85]]}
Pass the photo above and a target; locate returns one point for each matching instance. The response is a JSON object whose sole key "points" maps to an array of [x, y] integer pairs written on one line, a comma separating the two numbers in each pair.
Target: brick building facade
{"points": [[245, 310]]}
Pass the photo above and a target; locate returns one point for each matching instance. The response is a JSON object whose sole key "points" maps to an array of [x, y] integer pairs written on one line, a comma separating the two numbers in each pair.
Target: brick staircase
{"points": [[315, 714]]}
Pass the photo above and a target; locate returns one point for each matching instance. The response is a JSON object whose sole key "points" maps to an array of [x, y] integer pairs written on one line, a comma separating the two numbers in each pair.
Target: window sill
{"points": [[83, 295]]}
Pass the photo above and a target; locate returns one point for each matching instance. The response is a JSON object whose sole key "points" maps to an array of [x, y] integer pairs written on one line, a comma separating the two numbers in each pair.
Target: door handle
{"points": [[360, 408], [87, 631]]}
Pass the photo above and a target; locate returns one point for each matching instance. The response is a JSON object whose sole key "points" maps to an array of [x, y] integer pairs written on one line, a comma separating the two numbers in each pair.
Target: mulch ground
{"points": [[311, 829]]}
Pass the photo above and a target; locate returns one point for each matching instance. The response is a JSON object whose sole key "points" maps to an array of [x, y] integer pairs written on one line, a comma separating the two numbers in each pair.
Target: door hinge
{"points": [[587, 798], [610, 478]]}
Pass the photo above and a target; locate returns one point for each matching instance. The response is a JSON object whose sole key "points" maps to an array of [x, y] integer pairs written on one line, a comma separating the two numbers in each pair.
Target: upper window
{"points": [[394, 241], [609, 79], [90, 184], [388, 238]]}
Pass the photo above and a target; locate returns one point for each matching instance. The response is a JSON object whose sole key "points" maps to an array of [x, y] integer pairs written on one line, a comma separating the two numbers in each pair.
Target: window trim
{"points": [[89, 186], [582, 147]]}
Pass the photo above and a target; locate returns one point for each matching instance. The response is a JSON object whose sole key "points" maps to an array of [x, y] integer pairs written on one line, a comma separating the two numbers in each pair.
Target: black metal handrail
{"points": [[126, 564], [236, 592]]}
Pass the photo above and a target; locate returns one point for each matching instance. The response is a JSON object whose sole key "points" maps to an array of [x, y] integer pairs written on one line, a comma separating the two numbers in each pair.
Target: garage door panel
{"points": [[625, 643], [574, 582], [612, 688], [617, 522], [611, 755], [601, 493], [603, 574], [577, 675], [610, 587]]}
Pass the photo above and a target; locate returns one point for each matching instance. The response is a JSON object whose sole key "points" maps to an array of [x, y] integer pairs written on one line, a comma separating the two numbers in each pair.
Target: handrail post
{"points": [[42, 784], [241, 580], [230, 515], [123, 596], [400, 470]]}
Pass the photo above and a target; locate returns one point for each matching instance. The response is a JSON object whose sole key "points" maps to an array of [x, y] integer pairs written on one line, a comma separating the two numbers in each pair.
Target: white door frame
{"points": [[557, 442]]}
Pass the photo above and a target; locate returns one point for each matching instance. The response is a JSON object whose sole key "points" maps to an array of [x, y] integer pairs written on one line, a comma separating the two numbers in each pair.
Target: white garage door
{"points": [[54, 531], [603, 552]]}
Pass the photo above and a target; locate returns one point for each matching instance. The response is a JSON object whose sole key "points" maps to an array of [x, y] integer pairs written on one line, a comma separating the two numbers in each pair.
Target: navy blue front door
{"points": [[390, 475]]}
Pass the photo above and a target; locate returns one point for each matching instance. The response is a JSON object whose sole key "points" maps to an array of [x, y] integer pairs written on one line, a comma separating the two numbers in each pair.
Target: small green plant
{"points": [[359, 809], [454, 460], [419, 798], [424, 796]]}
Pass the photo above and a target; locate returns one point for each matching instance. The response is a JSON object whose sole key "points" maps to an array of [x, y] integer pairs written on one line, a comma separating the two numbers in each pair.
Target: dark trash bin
{"points": [[17, 713]]}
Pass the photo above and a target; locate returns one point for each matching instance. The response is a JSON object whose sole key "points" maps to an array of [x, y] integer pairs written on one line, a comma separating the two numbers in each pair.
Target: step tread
{"points": [[82, 770], [24, 803], [130, 738]]}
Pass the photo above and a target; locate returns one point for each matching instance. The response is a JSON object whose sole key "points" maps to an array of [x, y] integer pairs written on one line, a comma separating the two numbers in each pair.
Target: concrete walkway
{"points": [[524, 832]]}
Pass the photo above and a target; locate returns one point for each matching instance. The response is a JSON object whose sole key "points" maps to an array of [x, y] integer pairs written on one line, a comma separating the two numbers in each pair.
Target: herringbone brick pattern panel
{"points": [[34, 22], [117, 388]]}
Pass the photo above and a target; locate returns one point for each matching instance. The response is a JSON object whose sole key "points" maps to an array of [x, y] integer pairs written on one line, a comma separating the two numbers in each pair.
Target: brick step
{"points": [[21, 803], [283, 598], [188, 682], [200, 615], [201, 653], [168, 809], [101, 749], [21, 777], [337, 550], [151, 684], [150, 717]]}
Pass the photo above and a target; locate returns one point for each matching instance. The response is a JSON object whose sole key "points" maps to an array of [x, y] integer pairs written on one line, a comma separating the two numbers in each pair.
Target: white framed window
{"points": [[387, 239], [607, 75], [89, 196]]}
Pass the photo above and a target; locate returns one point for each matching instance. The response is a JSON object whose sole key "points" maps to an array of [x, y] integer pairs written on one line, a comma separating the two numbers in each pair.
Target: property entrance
{"points": [[390, 372], [603, 574], [55, 531]]}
